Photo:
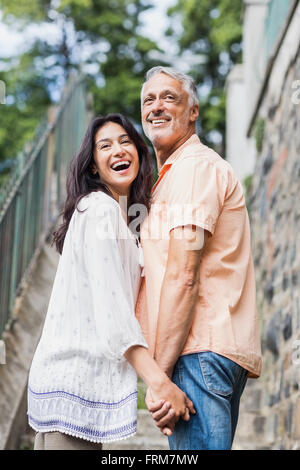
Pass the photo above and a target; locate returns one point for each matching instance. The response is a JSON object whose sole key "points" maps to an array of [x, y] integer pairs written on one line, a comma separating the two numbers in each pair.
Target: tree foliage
{"points": [[27, 99], [211, 29], [99, 37], [102, 38]]}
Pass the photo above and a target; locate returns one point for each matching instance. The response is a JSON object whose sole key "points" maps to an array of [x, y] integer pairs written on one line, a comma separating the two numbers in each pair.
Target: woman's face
{"points": [[116, 159]]}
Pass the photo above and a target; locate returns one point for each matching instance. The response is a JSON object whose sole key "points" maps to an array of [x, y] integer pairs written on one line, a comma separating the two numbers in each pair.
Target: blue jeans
{"points": [[215, 385]]}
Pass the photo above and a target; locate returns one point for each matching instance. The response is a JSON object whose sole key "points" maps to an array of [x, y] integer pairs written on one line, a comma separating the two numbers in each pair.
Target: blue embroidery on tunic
{"points": [[128, 429], [73, 397]]}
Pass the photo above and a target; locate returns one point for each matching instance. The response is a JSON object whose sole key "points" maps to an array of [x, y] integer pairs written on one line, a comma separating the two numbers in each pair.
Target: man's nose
{"points": [[157, 106]]}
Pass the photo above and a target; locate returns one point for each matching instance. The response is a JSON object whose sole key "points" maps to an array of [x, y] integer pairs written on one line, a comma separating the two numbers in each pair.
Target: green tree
{"points": [[26, 101], [99, 37], [211, 29]]}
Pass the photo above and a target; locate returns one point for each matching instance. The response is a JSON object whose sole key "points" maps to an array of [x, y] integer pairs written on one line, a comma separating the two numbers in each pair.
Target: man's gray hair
{"points": [[188, 82]]}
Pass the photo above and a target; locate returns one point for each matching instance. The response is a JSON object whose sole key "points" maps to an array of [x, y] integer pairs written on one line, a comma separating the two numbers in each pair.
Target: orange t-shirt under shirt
{"points": [[196, 186]]}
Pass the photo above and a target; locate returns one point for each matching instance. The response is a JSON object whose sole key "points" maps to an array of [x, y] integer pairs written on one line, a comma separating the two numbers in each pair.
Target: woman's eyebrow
{"points": [[107, 139]]}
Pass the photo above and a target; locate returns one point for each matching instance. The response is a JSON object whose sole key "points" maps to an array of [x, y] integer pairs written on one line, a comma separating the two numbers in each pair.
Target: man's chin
{"points": [[159, 137]]}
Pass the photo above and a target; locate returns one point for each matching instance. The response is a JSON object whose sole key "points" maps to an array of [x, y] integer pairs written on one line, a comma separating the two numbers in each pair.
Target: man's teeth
{"points": [[158, 121]]}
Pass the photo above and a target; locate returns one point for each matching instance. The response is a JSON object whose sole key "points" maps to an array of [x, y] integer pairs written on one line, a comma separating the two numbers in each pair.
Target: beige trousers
{"points": [[60, 441]]}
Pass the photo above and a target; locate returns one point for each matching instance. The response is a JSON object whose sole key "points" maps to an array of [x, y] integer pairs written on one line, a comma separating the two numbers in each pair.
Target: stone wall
{"points": [[270, 409]]}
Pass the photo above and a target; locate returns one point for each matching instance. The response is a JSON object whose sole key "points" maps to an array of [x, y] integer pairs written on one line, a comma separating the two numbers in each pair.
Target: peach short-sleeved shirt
{"points": [[196, 186]]}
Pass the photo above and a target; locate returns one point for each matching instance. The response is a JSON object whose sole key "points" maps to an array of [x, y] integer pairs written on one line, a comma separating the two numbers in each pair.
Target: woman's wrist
{"points": [[146, 367], [157, 380]]}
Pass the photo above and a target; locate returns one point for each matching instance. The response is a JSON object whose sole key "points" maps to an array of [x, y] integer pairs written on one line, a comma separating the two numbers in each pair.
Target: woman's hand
{"points": [[162, 413], [167, 405]]}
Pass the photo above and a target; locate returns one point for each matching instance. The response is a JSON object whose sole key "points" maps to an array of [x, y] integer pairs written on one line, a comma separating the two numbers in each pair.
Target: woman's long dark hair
{"points": [[81, 180]]}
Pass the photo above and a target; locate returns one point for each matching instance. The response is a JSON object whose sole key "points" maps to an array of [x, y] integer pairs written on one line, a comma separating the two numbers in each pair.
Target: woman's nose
{"points": [[118, 149]]}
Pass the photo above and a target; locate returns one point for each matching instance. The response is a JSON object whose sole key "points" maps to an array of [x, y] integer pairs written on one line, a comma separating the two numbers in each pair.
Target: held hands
{"points": [[167, 406]]}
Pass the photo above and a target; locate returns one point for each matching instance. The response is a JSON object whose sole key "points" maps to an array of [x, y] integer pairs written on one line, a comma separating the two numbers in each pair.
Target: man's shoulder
{"points": [[199, 154]]}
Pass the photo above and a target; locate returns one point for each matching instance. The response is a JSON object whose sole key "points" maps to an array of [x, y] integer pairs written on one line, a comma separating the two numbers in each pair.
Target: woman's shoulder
{"points": [[94, 199], [98, 210]]}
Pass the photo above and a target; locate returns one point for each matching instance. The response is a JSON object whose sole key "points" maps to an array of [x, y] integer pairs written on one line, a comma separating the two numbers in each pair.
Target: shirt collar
{"points": [[194, 139]]}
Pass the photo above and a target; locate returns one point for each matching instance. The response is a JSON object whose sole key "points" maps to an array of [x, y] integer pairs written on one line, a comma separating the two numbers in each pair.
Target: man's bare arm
{"points": [[179, 294]]}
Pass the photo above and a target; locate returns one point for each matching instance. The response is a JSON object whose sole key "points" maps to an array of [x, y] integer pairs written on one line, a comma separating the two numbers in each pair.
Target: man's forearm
{"points": [[176, 313], [179, 294]]}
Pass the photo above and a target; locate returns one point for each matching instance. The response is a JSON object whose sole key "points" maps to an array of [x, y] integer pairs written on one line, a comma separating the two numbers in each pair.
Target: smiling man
{"points": [[201, 318]]}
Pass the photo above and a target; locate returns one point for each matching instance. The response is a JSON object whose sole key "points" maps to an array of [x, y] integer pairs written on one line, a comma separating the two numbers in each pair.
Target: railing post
{"points": [[16, 244], [49, 178]]}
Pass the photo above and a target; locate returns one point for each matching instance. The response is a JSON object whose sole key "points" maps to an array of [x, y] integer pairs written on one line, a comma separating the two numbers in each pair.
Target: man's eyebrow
{"points": [[163, 92], [148, 94], [168, 91]]}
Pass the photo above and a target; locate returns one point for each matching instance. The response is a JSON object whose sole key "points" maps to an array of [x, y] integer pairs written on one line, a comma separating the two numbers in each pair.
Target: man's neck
{"points": [[163, 152]]}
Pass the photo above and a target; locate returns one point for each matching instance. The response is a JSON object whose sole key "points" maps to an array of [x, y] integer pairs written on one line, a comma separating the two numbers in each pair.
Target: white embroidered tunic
{"points": [[79, 382]]}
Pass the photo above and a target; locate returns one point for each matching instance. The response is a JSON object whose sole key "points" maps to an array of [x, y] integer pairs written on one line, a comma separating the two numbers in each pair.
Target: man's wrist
{"points": [[167, 368]]}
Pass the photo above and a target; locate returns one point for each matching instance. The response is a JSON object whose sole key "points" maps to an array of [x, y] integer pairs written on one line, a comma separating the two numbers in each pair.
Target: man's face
{"points": [[166, 115]]}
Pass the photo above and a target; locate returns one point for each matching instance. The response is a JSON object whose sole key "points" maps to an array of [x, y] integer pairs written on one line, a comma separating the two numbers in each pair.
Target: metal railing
{"points": [[32, 198]]}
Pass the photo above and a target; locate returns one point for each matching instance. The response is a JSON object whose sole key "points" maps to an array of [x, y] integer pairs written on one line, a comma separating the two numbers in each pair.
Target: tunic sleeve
{"points": [[116, 324]]}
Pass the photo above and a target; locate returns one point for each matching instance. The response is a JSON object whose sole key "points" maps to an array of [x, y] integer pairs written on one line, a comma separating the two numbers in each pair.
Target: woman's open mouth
{"points": [[121, 166]]}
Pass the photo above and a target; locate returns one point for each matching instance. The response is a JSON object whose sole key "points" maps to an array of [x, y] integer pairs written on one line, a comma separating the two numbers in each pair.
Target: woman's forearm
{"points": [[146, 367]]}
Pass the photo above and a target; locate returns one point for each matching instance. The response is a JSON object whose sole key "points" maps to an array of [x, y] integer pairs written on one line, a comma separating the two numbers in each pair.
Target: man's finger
{"points": [[190, 405], [186, 416]]}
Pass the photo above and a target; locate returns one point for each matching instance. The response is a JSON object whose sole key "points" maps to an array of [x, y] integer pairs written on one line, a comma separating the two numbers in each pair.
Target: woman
{"points": [[82, 387]]}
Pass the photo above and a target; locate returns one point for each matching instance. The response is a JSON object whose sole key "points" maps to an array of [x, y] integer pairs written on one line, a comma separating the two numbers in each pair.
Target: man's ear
{"points": [[194, 113]]}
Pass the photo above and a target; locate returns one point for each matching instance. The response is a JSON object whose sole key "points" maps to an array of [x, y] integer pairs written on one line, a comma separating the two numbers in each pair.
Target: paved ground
{"points": [[148, 437]]}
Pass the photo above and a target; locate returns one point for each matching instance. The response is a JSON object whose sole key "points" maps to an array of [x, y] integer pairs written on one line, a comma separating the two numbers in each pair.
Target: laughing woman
{"points": [[82, 388]]}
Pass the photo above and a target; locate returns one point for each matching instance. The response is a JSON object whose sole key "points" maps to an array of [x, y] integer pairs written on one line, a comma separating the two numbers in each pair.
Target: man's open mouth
{"points": [[157, 122], [121, 165]]}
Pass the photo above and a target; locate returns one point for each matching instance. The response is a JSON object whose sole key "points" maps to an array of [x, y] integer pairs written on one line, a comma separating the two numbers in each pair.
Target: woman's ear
{"points": [[94, 169]]}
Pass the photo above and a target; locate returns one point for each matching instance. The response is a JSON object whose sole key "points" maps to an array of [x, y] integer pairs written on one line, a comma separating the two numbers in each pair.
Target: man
{"points": [[201, 319]]}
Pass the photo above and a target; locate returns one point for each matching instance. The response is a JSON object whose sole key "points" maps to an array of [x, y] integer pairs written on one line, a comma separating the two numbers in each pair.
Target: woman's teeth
{"points": [[120, 166]]}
